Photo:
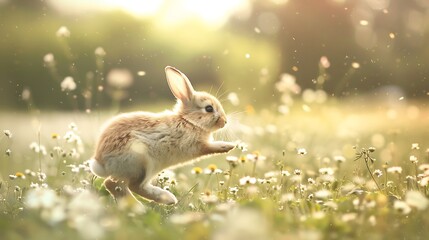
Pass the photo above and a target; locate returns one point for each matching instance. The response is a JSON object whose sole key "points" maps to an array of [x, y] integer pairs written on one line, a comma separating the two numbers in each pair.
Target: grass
{"points": [[311, 174]]}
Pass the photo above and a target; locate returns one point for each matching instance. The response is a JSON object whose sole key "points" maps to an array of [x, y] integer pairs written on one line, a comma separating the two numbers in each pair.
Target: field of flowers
{"points": [[348, 169]]}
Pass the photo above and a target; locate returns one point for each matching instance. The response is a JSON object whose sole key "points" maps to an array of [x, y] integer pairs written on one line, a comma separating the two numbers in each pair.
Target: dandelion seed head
{"points": [[68, 84], [63, 32], [26, 94], [48, 59], [120, 78], [233, 99], [100, 52]]}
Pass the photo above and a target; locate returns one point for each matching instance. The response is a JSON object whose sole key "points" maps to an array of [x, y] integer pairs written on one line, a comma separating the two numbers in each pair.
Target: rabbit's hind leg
{"points": [[117, 188], [154, 193]]}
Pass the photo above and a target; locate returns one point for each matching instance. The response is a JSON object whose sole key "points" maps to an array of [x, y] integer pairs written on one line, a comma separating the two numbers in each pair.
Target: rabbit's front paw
{"points": [[227, 146], [219, 147]]}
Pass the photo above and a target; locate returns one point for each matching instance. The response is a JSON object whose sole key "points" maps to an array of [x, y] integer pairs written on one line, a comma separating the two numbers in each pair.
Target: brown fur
{"points": [[134, 147]]}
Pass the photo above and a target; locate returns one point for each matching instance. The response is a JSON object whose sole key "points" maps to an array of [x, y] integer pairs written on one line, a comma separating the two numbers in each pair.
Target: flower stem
{"points": [[373, 178]]}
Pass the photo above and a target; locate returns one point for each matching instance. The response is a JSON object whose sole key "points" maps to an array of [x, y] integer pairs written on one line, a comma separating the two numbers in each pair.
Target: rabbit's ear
{"points": [[179, 84]]}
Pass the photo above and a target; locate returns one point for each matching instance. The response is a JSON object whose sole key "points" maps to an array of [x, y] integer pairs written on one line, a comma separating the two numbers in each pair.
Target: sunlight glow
{"points": [[214, 13]]}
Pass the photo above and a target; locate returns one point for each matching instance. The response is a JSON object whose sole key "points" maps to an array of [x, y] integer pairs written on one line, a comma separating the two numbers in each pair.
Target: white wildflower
{"points": [[301, 151], [416, 199], [424, 181], [401, 207], [287, 197], [247, 180], [326, 171], [378, 173], [331, 204], [323, 194], [41, 198], [209, 198], [288, 83], [186, 218], [395, 169], [347, 217], [413, 159], [84, 213], [285, 173], [311, 181], [424, 167], [7, 133], [339, 159]]}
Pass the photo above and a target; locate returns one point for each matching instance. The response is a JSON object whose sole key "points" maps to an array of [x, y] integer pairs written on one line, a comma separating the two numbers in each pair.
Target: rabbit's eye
{"points": [[209, 108]]}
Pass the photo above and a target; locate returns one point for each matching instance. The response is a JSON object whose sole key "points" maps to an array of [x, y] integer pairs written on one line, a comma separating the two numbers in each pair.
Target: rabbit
{"points": [[134, 147]]}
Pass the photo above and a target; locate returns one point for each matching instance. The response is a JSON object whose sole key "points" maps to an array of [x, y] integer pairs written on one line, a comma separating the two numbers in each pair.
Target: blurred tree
{"points": [[368, 46]]}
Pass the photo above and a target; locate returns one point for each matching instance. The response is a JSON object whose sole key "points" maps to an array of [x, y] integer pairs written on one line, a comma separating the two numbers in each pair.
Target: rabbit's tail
{"points": [[97, 168]]}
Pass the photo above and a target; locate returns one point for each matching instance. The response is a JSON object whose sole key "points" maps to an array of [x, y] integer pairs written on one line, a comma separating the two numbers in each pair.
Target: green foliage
{"points": [[275, 192]]}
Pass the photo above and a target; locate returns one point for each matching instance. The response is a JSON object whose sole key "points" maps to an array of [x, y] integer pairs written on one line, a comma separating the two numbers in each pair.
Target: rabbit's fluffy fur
{"points": [[134, 147]]}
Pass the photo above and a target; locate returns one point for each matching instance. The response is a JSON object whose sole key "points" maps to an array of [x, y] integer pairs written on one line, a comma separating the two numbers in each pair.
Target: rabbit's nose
{"points": [[223, 120]]}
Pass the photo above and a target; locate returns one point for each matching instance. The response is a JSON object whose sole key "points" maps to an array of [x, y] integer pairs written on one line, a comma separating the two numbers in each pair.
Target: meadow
{"points": [[334, 169]]}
